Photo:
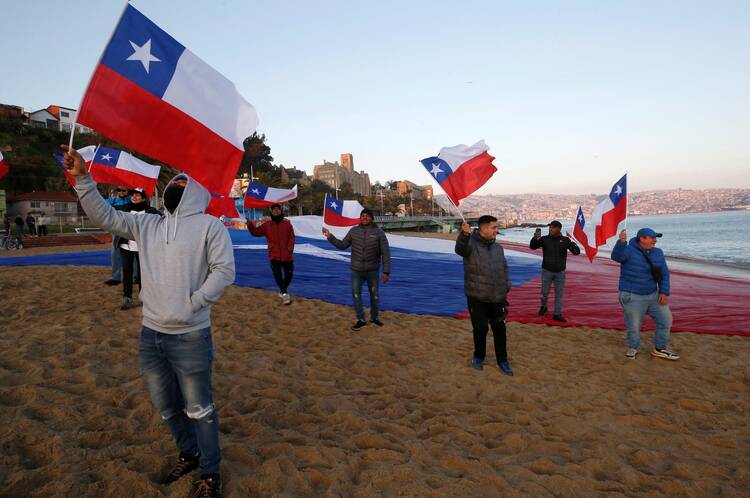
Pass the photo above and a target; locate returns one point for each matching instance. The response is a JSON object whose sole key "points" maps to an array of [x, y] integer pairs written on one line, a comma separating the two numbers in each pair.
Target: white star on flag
{"points": [[334, 205], [436, 169], [618, 190], [143, 54], [106, 157], [256, 191], [580, 218]]}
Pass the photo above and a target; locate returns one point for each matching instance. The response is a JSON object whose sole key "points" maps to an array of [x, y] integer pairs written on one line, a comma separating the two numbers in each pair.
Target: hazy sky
{"points": [[568, 95]]}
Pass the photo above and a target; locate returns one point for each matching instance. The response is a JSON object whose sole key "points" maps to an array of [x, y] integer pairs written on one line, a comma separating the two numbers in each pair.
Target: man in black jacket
{"points": [[486, 284], [555, 249], [369, 246]]}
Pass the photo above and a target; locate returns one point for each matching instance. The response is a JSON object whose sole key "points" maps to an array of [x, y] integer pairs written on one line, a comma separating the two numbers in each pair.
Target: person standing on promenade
{"points": [[280, 235]]}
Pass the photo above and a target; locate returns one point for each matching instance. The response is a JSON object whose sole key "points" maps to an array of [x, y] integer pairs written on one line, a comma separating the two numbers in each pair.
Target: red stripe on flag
{"points": [[119, 176], [120, 109], [610, 221], [336, 220], [222, 206], [3, 169], [469, 177], [583, 239], [254, 202]]}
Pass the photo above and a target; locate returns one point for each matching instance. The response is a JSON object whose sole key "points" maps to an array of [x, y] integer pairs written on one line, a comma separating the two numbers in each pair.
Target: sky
{"points": [[568, 95]]}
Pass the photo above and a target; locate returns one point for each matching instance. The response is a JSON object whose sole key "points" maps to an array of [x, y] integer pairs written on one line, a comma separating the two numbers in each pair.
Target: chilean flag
{"points": [[339, 213], [221, 205], [461, 170], [582, 237], [259, 195], [3, 167], [152, 94], [120, 168], [87, 154], [610, 212]]}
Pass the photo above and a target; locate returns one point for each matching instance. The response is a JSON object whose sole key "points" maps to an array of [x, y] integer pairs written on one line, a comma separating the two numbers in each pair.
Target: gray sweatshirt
{"points": [[186, 258]]}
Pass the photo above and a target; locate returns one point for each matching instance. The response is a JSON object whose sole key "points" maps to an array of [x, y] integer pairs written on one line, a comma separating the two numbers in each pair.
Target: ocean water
{"points": [[720, 237]]}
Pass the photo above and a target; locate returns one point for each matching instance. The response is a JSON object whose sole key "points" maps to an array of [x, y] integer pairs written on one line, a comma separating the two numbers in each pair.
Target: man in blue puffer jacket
{"points": [[644, 290]]}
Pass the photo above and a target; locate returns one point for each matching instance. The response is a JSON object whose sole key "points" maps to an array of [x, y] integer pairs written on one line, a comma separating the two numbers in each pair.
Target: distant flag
{"points": [[3, 167], [582, 237], [338, 213], [120, 168], [152, 94], [258, 195], [221, 205], [87, 153], [461, 170]]}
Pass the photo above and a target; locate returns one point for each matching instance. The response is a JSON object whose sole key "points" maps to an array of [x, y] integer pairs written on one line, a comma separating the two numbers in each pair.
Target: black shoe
{"points": [[185, 465], [208, 486], [359, 325], [111, 281], [542, 310], [377, 322], [559, 318]]}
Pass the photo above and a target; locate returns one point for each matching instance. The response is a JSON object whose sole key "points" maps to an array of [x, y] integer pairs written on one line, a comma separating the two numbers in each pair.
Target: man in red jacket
{"points": [[280, 235]]}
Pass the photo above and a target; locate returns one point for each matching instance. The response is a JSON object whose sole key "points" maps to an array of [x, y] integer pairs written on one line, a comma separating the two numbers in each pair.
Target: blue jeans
{"points": [[116, 260], [559, 279], [635, 308], [177, 371], [359, 278]]}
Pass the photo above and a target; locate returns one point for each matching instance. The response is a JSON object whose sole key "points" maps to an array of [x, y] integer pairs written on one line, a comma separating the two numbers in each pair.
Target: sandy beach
{"points": [[309, 408]]}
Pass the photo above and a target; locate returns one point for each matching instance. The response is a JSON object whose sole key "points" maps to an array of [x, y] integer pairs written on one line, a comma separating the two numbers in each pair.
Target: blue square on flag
{"points": [[107, 157], [618, 190], [143, 52], [257, 190], [438, 168]]}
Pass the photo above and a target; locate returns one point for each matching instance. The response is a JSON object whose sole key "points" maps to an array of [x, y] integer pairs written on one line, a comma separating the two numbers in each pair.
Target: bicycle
{"points": [[9, 242]]}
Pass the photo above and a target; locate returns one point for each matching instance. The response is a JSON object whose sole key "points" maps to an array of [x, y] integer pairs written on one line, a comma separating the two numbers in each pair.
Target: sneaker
{"points": [[542, 311], [631, 353], [559, 318], [505, 368], [477, 364], [359, 325], [281, 295], [286, 298], [111, 281], [208, 486], [377, 322], [665, 353], [126, 303], [185, 465]]}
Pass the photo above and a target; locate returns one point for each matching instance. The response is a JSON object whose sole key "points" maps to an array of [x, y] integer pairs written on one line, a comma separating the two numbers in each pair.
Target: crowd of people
{"points": [[36, 226], [186, 261]]}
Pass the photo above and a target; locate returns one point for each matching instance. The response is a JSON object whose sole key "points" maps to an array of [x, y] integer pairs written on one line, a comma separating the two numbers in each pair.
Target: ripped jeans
{"points": [[177, 371], [358, 279]]}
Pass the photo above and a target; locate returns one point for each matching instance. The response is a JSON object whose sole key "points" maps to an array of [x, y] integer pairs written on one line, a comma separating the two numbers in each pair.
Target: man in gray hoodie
{"points": [[186, 262], [369, 245], [486, 283]]}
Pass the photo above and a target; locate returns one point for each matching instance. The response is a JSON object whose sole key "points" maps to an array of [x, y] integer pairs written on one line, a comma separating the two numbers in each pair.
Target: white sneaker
{"points": [[667, 354], [287, 298], [631, 353], [281, 296]]}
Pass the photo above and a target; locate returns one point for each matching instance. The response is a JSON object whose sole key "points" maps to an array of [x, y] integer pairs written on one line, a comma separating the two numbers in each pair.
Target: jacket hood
{"points": [[194, 199]]}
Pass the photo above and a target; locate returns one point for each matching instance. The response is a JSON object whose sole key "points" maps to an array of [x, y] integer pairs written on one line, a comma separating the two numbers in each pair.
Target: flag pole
{"points": [[449, 199], [626, 200]]}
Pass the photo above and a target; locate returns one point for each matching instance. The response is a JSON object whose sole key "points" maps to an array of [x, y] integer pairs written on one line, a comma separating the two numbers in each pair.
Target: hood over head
{"points": [[195, 197]]}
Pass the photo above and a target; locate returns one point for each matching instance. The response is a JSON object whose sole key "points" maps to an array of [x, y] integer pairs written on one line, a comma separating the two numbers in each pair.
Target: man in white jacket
{"points": [[186, 262]]}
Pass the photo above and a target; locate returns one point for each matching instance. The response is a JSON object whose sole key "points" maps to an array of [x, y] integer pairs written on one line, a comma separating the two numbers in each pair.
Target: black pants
{"points": [[42, 230], [32, 228], [129, 267], [493, 314], [284, 280]]}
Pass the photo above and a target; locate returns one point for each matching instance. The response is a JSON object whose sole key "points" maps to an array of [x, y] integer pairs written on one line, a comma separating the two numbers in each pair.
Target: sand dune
{"points": [[310, 408]]}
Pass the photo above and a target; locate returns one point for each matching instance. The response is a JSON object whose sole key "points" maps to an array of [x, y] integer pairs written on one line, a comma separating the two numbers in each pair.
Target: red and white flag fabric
{"points": [[3, 167], [222, 206], [87, 153], [461, 170], [579, 234], [152, 94], [114, 166], [259, 195], [605, 219], [338, 213]]}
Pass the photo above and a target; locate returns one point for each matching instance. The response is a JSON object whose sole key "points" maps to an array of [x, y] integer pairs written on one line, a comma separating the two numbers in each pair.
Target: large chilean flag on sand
{"points": [[461, 170], [120, 168], [150, 93], [338, 213], [259, 195]]}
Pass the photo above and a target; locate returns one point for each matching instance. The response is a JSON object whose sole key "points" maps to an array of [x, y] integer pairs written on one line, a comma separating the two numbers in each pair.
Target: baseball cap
{"points": [[647, 232], [554, 223]]}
